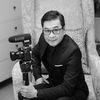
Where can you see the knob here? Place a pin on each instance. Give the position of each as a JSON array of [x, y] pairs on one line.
[[14, 7], [15, 27]]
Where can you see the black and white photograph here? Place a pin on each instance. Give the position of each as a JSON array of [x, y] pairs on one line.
[[49, 49]]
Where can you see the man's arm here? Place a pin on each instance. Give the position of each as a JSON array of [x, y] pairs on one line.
[[36, 62]]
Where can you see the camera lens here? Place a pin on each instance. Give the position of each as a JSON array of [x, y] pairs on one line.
[[13, 56], [16, 55]]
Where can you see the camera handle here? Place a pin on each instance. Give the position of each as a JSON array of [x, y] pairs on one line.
[[26, 82], [26, 78], [25, 68]]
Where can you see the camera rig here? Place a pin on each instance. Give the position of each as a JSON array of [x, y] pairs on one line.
[[24, 55], [24, 52]]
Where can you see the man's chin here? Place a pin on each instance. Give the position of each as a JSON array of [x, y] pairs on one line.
[[53, 44]]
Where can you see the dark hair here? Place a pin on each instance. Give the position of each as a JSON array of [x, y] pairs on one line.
[[51, 15]]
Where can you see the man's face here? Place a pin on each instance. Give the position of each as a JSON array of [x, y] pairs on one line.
[[53, 32]]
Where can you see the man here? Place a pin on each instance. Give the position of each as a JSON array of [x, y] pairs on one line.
[[62, 58]]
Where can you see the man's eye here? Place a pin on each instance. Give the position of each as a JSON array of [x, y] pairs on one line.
[[47, 31], [56, 30]]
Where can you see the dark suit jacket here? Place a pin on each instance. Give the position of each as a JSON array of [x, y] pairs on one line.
[[65, 72]]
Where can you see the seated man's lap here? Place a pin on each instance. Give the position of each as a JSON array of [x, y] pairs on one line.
[[79, 95], [42, 86]]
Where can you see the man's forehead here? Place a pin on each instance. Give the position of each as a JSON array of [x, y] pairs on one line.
[[52, 23]]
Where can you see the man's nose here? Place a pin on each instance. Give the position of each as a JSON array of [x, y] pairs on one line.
[[51, 34]]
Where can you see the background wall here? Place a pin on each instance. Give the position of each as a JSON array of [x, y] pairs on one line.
[[10, 24]]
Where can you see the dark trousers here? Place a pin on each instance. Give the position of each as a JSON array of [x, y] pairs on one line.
[[79, 95]]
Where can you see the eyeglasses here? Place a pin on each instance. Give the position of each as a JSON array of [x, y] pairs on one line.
[[54, 31]]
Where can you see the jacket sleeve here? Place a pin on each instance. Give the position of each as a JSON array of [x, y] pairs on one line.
[[71, 77], [36, 62]]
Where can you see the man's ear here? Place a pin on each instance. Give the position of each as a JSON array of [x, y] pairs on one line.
[[64, 29]]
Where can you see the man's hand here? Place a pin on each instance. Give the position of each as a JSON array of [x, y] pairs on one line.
[[41, 80], [28, 91]]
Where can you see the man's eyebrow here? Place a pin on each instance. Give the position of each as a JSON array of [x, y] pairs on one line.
[[56, 26], [52, 27]]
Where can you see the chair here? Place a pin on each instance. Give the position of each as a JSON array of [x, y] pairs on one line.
[[80, 27]]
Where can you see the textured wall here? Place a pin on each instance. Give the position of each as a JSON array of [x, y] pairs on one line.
[[28, 15], [70, 9], [28, 12]]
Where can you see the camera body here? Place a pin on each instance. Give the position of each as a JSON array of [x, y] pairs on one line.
[[24, 53], [21, 54]]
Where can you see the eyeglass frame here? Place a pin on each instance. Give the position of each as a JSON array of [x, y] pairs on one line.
[[55, 33]]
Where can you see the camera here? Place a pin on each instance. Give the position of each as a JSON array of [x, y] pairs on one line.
[[22, 53]]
